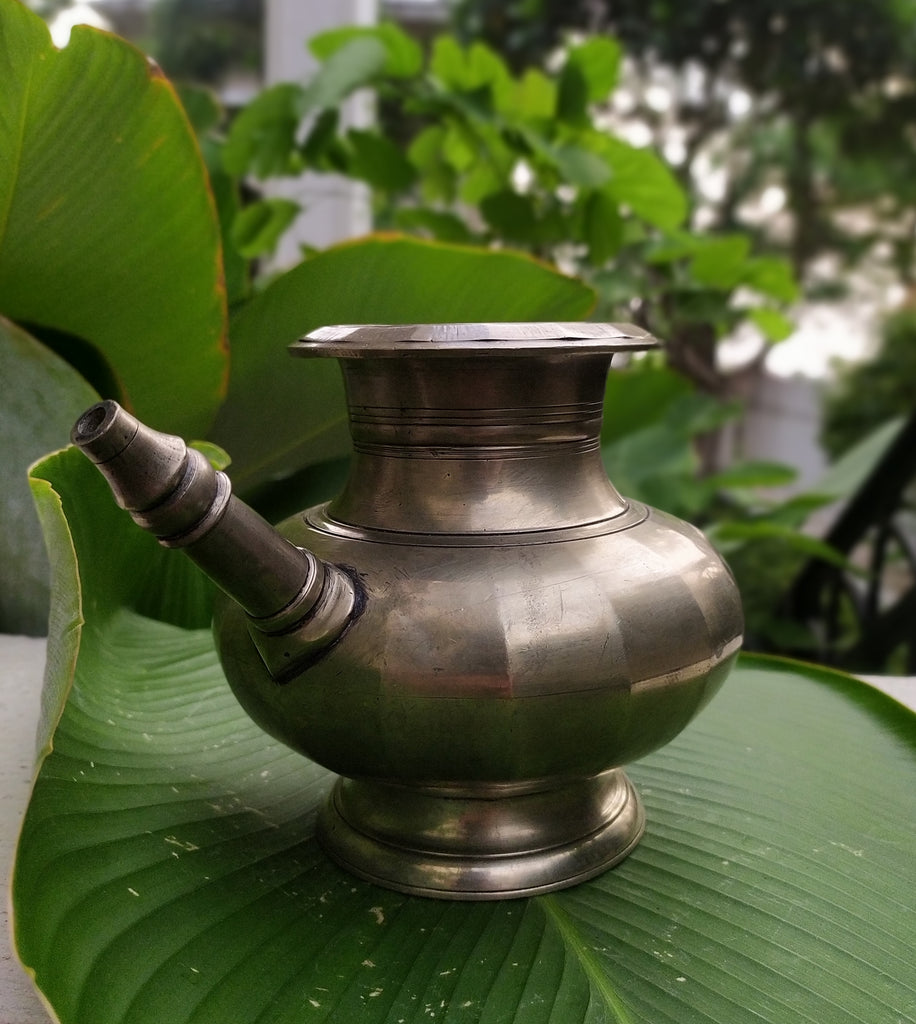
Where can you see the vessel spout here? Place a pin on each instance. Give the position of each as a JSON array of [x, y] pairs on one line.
[[297, 604]]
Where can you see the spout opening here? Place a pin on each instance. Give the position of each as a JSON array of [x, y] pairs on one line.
[[93, 420], [104, 431]]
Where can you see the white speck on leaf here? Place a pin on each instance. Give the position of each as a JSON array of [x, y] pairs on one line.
[[848, 849], [379, 914], [133, 892], [184, 844]]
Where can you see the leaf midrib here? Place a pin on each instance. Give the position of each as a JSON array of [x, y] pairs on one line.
[[575, 943]]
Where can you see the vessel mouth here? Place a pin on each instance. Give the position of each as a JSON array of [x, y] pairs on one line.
[[496, 337]]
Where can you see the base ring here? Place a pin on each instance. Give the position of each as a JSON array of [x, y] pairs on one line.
[[458, 847]]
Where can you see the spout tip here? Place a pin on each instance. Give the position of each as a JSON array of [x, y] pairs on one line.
[[104, 431], [141, 465]]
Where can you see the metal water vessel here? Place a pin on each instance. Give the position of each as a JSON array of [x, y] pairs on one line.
[[479, 631]]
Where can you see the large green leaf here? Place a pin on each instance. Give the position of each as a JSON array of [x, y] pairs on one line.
[[167, 871], [40, 397], [280, 416], [107, 228]]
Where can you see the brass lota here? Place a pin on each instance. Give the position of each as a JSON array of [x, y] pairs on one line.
[[479, 631]]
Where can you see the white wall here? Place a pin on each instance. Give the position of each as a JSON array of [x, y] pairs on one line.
[[782, 423]]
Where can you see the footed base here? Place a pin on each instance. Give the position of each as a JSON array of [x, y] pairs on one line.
[[499, 844]]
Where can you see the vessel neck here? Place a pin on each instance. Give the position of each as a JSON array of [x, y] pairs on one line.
[[476, 444]]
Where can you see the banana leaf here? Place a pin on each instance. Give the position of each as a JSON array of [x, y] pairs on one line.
[[167, 867]]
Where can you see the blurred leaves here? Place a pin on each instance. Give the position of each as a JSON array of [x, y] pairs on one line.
[[468, 149], [258, 227]]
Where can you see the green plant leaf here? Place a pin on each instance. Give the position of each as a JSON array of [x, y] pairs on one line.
[[775, 326], [598, 61], [533, 97], [167, 868], [657, 465], [108, 231], [511, 215], [572, 95], [756, 530], [719, 262], [581, 166], [657, 462], [481, 181], [643, 182], [404, 58], [603, 227], [279, 417], [257, 227], [852, 469], [638, 396], [358, 62], [440, 224], [470, 70], [460, 148], [427, 153], [201, 105], [771, 276], [321, 137], [379, 162], [754, 474], [40, 399], [225, 190], [262, 138]]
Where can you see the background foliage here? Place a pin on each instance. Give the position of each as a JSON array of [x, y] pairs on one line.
[[468, 150], [520, 147], [828, 90]]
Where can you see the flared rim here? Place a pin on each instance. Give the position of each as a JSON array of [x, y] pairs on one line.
[[497, 337]]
